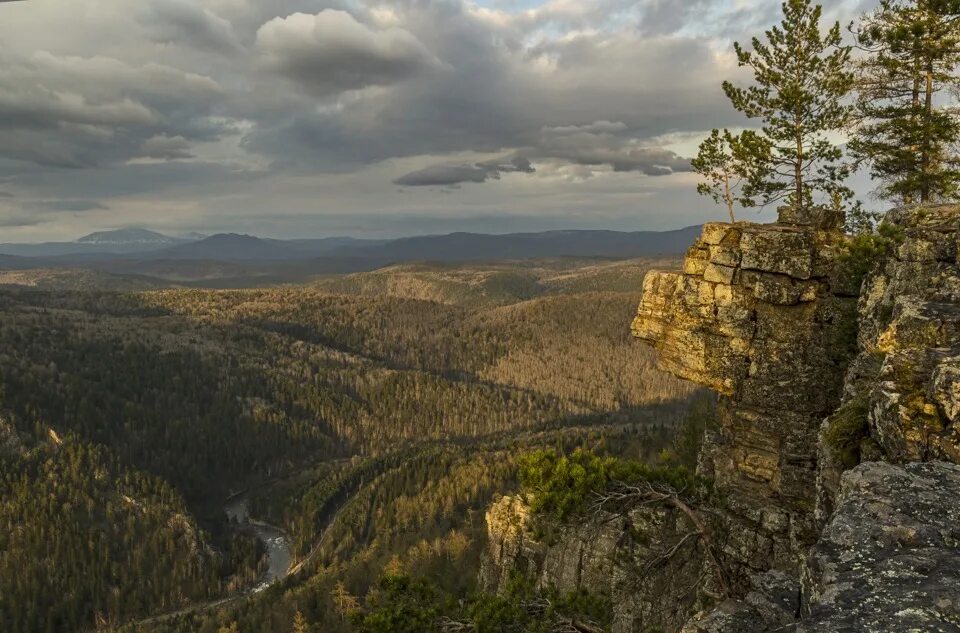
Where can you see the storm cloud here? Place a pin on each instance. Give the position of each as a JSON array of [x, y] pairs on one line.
[[453, 175], [182, 22]]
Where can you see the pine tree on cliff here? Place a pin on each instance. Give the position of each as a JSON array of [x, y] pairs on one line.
[[726, 161], [903, 129], [801, 77]]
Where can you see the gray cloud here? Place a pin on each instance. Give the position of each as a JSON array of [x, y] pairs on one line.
[[18, 219], [66, 111], [443, 176], [69, 205], [595, 145], [332, 52], [605, 143], [345, 98], [178, 21], [167, 147], [453, 175]]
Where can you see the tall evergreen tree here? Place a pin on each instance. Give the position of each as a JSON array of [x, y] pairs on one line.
[[801, 77], [904, 130]]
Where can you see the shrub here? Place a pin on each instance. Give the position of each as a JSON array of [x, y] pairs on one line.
[[846, 430], [561, 485], [862, 251]]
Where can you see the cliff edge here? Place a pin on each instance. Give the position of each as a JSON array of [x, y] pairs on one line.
[[838, 427], [836, 449]]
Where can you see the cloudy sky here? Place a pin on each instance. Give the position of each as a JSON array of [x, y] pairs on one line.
[[362, 117]]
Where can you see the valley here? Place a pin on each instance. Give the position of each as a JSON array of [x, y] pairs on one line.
[[371, 417]]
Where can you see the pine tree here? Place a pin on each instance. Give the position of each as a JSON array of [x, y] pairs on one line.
[[902, 128], [726, 162], [801, 77], [345, 603], [300, 623]]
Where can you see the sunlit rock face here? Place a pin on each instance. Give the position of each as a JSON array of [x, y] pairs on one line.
[[838, 425], [837, 451], [911, 315], [762, 315]]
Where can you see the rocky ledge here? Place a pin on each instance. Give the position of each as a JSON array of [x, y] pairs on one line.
[[603, 554], [889, 558]]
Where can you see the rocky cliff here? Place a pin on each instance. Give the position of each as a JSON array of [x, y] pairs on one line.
[[764, 315], [606, 555], [836, 442]]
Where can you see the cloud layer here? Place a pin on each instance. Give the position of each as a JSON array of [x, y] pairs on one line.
[[292, 115]]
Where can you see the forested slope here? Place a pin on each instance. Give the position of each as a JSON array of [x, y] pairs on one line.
[[373, 426]]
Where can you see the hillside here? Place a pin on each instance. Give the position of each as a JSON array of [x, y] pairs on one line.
[[472, 246], [364, 424]]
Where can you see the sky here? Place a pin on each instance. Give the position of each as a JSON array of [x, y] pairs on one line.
[[310, 118]]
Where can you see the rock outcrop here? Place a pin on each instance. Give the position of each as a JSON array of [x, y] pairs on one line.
[[902, 394], [837, 449], [763, 315], [889, 558], [604, 554]]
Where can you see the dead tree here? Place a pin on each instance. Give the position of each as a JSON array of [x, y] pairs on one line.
[[621, 497]]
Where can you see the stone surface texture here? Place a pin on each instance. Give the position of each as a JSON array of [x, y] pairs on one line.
[[889, 558], [603, 555], [772, 332]]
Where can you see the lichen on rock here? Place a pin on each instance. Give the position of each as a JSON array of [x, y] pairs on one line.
[[889, 558]]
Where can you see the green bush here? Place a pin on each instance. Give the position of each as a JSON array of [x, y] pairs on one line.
[[401, 605], [846, 430], [862, 251], [562, 485]]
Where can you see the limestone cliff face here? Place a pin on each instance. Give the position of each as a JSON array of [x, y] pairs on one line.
[[838, 443], [761, 314]]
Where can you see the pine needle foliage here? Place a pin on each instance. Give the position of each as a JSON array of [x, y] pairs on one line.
[[801, 78], [905, 128]]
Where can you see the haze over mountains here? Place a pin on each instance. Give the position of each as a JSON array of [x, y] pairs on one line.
[[145, 257], [150, 245]]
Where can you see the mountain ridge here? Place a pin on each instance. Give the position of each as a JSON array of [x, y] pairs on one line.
[[453, 247], [132, 235]]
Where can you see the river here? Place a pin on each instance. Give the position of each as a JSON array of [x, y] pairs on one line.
[[273, 538]]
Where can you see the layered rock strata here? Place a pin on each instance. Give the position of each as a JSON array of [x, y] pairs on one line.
[[762, 315]]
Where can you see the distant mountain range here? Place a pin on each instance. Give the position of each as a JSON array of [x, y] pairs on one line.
[[460, 247], [230, 256], [234, 247], [132, 237]]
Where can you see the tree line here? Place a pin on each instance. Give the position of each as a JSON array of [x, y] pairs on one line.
[[885, 87]]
